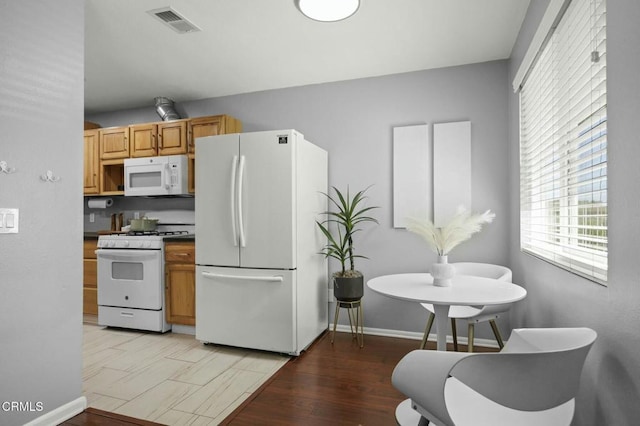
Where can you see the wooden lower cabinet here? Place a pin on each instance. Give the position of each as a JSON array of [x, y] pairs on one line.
[[90, 278], [180, 282]]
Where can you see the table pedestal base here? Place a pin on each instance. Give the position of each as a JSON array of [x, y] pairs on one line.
[[442, 322], [407, 416]]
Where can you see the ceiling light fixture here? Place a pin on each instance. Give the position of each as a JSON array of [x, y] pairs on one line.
[[327, 10]]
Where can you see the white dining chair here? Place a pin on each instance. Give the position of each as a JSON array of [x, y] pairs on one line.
[[473, 314], [532, 381]]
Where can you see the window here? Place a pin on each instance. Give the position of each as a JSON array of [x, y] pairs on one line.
[[563, 142]]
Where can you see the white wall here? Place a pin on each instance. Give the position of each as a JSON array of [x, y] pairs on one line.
[[610, 388], [354, 120], [41, 116]]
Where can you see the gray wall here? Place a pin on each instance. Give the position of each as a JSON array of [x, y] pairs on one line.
[[353, 121], [41, 114], [611, 379]]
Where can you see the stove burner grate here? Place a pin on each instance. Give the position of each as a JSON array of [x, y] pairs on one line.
[[145, 233]]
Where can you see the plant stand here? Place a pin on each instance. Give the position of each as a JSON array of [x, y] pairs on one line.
[[356, 319]]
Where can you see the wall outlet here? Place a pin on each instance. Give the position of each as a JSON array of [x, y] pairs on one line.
[[330, 295], [92, 217], [136, 215]]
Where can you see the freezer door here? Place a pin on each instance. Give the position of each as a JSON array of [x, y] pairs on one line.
[[215, 174], [246, 308], [266, 173]]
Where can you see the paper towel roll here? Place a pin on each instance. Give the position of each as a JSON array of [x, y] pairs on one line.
[[100, 203]]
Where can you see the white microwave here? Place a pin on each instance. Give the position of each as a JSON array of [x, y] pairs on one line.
[[165, 175]]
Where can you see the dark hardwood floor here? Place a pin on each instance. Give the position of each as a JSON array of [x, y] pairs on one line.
[[95, 417], [337, 383], [332, 384]]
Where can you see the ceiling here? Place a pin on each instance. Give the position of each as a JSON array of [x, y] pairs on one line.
[[253, 45]]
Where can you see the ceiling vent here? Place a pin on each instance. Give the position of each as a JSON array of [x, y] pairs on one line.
[[173, 19]]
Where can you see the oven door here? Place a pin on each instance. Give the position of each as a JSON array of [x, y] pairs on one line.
[[130, 278]]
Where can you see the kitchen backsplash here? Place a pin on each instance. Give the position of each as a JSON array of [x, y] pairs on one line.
[[129, 206]]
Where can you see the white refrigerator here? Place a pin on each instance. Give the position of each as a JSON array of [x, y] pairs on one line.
[[260, 280]]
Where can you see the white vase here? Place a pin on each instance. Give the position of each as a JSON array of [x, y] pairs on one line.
[[442, 272]]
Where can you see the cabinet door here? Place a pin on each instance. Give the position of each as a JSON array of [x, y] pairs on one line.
[[114, 143], [179, 252], [90, 278], [204, 126], [91, 162], [144, 140], [180, 293], [172, 137], [211, 126]]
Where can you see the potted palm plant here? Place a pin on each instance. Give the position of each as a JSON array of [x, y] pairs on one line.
[[346, 221]]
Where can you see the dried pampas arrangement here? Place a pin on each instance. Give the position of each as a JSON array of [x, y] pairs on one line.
[[459, 229]]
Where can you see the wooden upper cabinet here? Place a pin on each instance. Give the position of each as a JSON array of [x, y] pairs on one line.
[[172, 137], [211, 126], [144, 140], [114, 143], [91, 162]]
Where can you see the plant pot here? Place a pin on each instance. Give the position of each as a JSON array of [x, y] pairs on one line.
[[348, 289]]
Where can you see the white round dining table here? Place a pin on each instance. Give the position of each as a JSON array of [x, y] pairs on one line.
[[465, 290]]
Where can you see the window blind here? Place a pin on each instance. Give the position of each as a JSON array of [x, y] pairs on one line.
[[563, 145]]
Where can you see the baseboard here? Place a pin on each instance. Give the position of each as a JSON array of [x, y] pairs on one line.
[[183, 329], [412, 335], [60, 414]]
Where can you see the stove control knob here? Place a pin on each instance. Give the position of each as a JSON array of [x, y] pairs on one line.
[[111, 243], [147, 244], [125, 243]]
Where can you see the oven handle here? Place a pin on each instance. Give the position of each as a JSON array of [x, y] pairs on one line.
[[272, 279], [127, 255]]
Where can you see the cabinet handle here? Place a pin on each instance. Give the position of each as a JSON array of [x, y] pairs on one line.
[[160, 141], [153, 141], [94, 179], [126, 143]]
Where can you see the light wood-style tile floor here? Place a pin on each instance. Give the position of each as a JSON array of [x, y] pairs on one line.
[[169, 378]]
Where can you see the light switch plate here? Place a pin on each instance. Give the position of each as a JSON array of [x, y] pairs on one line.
[[9, 220]]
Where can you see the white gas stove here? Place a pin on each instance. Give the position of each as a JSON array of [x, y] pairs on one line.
[[131, 273]]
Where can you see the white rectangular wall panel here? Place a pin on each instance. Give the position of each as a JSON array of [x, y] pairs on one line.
[[451, 169], [412, 173]]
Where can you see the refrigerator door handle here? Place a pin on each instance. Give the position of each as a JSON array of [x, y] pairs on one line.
[[243, 241], [234, 167], [272, 279]]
